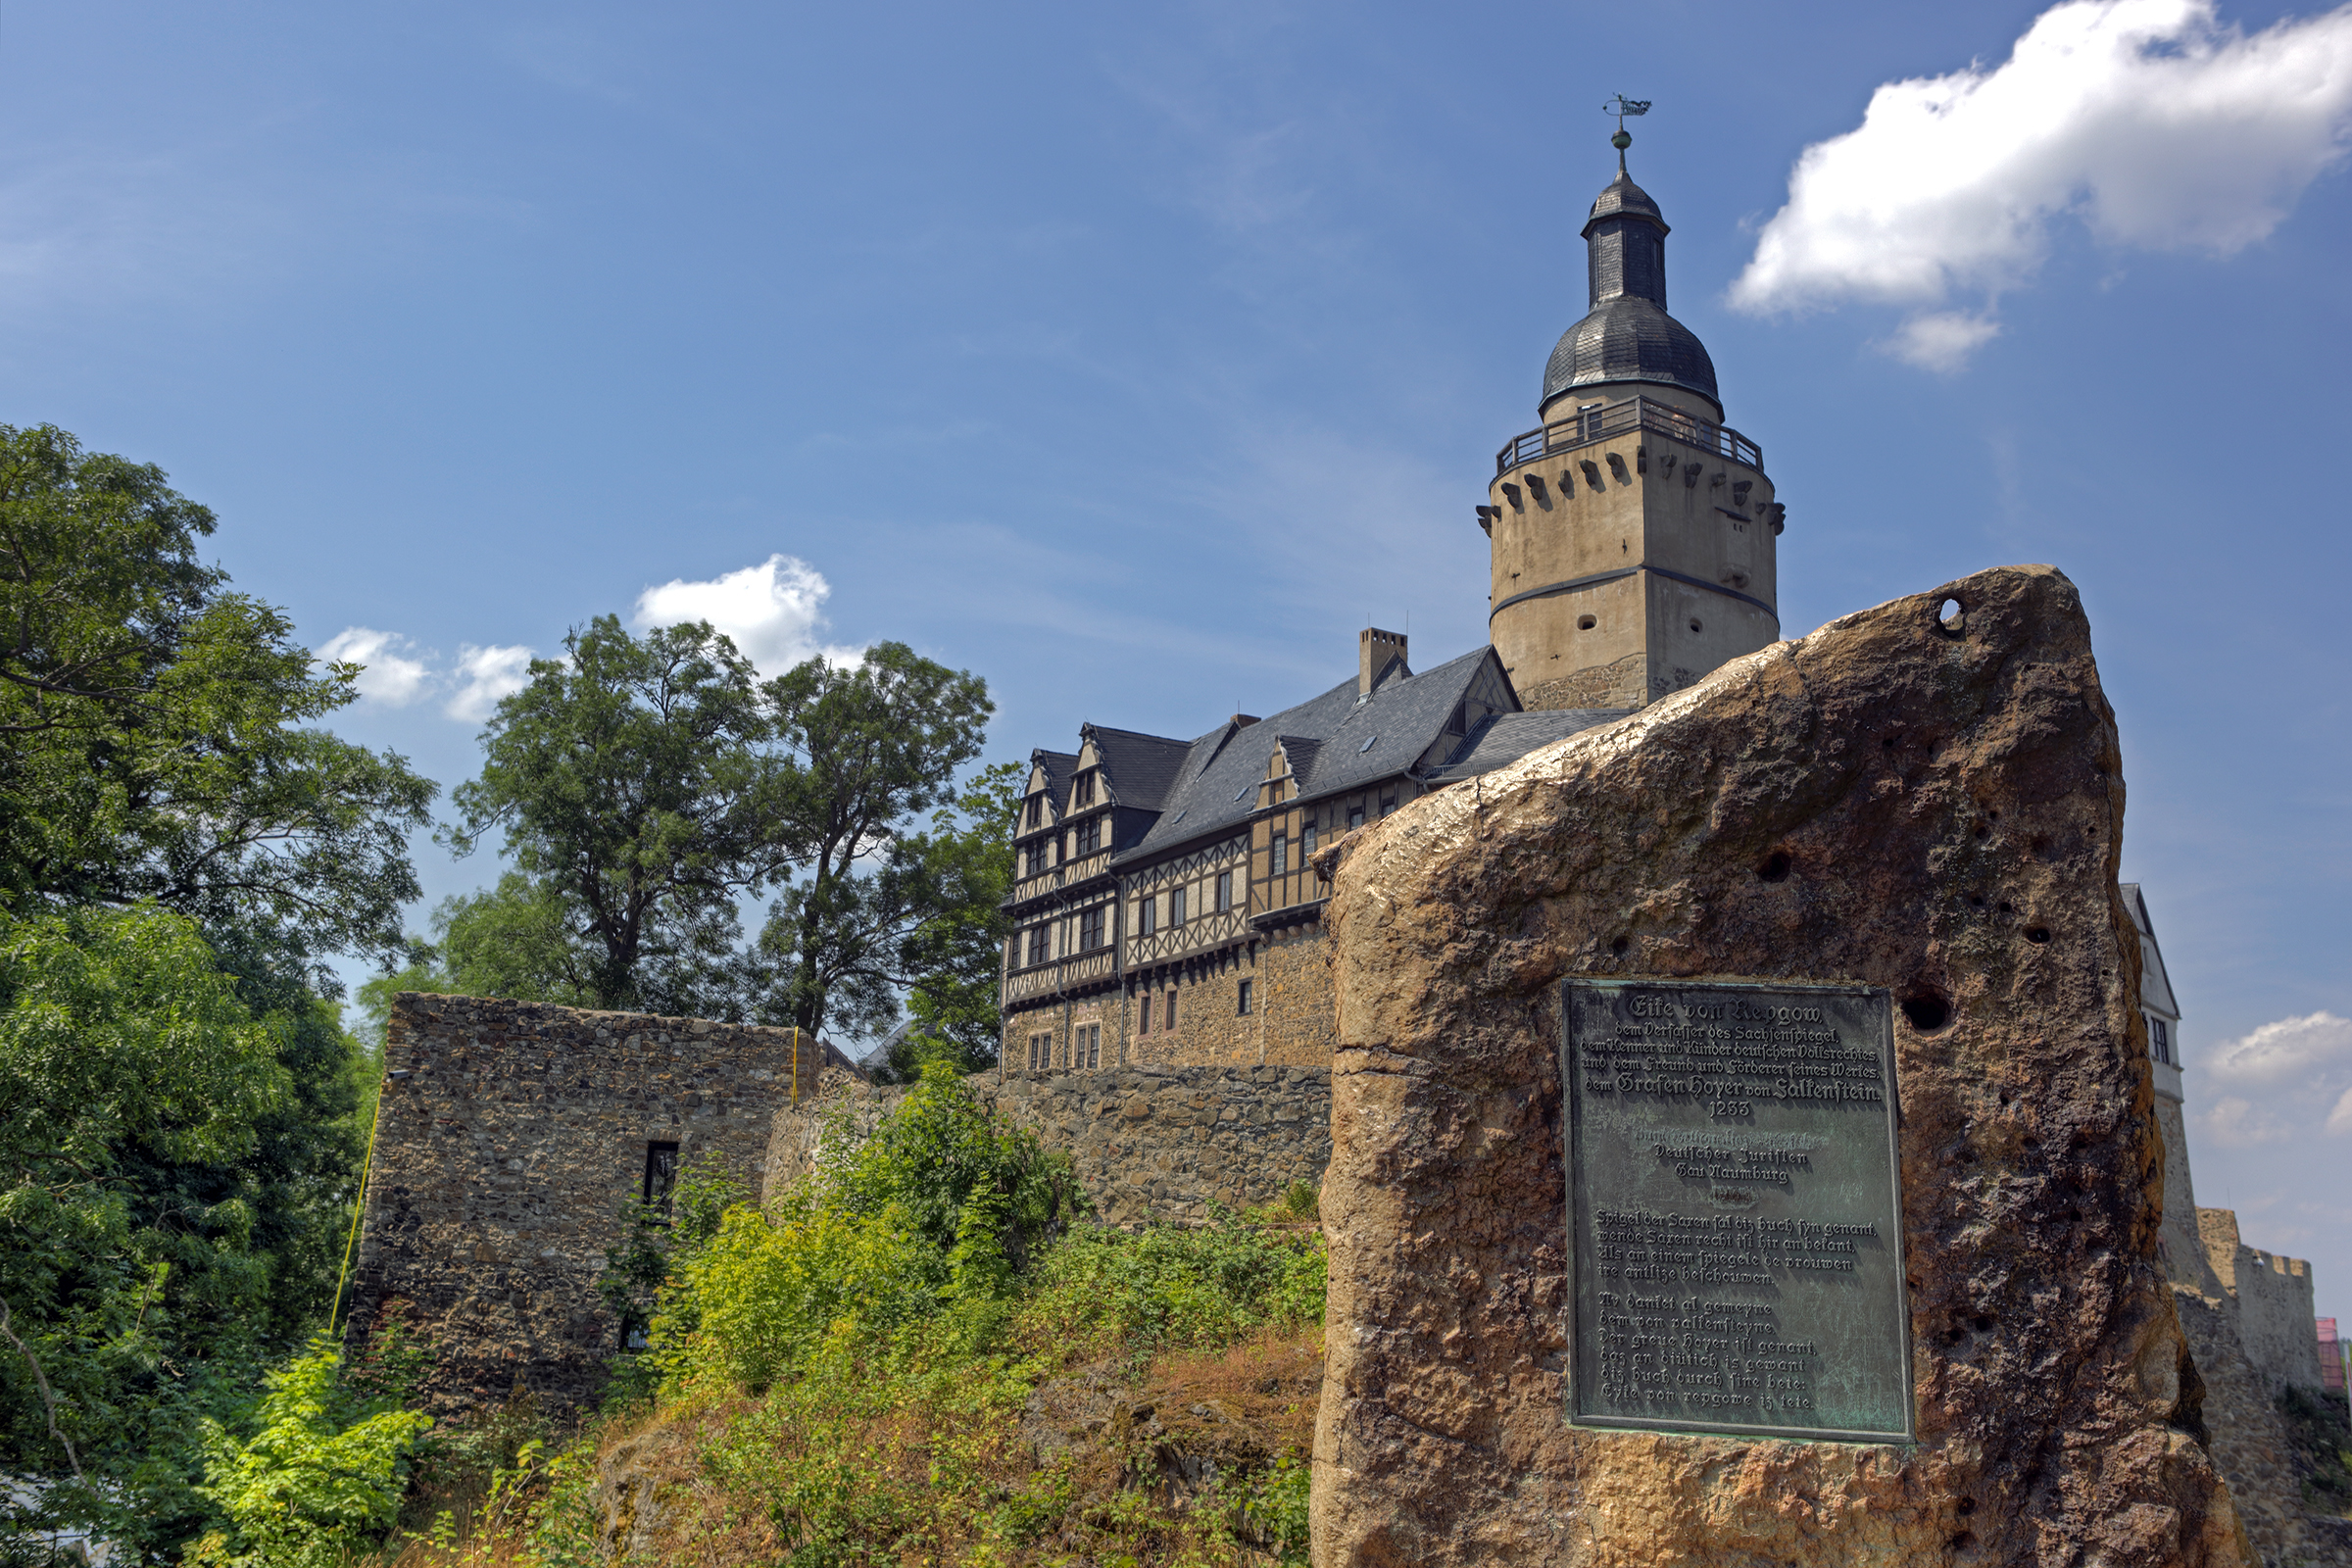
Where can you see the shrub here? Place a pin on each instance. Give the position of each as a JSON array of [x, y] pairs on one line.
[[319, 1479]]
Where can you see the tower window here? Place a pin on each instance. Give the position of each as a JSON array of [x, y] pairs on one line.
[[1142, 1014], [1224, 891], [1170, 1016], [1279, 855], [1243, 999], [2159, 1043], [661, 1175], [1586, 624]]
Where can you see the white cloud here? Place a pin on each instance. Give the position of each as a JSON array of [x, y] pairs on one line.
[[390, 677], [2292, 1047], [2151, 119], [2234, 1122], [774, 612], [486, 674], [1941, 340]]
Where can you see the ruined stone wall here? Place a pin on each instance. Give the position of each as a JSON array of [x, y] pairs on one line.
[[507, 1139], [1623, 683], [1149, 1142], [1302, 1025], [1925, 797], [2273, 1300]]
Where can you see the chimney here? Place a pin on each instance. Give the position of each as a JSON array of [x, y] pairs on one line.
[[1374, 652]]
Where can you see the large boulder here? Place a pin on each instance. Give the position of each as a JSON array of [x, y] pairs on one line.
[[1930, 804]]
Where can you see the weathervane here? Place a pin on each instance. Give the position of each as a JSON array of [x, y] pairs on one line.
[[1622, 106]]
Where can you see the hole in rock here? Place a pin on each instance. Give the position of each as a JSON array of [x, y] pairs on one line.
[[1963, 1540], [1586, 624], [1982, 830], [1619, 946], [2038, 935], [1968, 1505], [1775, 867], [1927, 1011], [1695, 624], [1982, 1323], [1952, 616]]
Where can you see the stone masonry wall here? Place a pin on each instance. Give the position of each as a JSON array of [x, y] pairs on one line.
[[1622, 684], [1149, 1142], [509, 1136], [2274, 1301]]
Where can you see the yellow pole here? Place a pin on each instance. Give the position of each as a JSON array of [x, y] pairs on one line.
[[358, 1206]]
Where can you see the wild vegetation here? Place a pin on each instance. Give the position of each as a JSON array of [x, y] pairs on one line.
[[184, 1115], [924, 1353]]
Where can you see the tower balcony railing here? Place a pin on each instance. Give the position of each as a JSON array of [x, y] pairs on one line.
[[1589, 425]]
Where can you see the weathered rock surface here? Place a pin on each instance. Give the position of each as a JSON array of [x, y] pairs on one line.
[[1888, 802]]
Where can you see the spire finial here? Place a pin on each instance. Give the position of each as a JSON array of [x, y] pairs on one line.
[[1622, 106]]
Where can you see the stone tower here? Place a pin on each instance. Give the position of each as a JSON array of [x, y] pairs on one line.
[[1632, 533]]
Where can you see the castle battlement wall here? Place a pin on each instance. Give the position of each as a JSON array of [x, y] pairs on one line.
[[511, 1136], [1150, 1143]]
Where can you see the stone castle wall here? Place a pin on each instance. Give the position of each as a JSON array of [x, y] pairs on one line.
[[2273, 1300], [509, 1138], [1624, 683], [1289, 1021], [1150, 1143]]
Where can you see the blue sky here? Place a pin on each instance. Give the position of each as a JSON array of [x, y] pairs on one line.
[[1134, 357]]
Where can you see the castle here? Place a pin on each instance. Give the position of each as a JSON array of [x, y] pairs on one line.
[[1168, 1013], [1166, 907]]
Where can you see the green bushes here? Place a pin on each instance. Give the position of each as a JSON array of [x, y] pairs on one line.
[[1176, 1289], [321, 1477]]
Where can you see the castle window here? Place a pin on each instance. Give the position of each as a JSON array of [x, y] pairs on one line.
[[1355, 816], [1090, 835], [1175, 907], [1170, 1016], [2160, 1044], [1279, 855], [1142, 1014], [1388, 801], [1090, 928], [1147, 915], [1037, 810], [1224, 891], [661, 1175], [1306, 840], [1090, 1047], [1041, 858], [1243, 999], [1083, 794], [1041, 943]]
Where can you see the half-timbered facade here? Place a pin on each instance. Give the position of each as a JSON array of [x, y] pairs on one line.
[[1166, 907]]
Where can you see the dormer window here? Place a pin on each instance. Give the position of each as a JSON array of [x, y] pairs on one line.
[[1037, 810], [1083, 792]]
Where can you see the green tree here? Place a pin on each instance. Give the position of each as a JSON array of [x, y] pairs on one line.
[[954, 956], [150, 739], [873, 747], [639, 792], [130, 1077]]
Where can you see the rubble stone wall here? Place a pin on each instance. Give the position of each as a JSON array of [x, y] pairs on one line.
[[509, 1138], [1149, 1142]]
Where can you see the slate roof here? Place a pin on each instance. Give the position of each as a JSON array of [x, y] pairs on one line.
[[1140, 768], [1504, 738], [1059, 766], [2155, 985], [1349, 744]]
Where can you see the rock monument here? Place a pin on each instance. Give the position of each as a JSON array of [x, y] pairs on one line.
[[1921, 803]]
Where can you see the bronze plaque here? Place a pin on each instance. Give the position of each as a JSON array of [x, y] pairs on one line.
[[1734, 1209]]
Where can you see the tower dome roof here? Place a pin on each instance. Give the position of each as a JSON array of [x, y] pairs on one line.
[[1628, 337], [1622, 195]]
